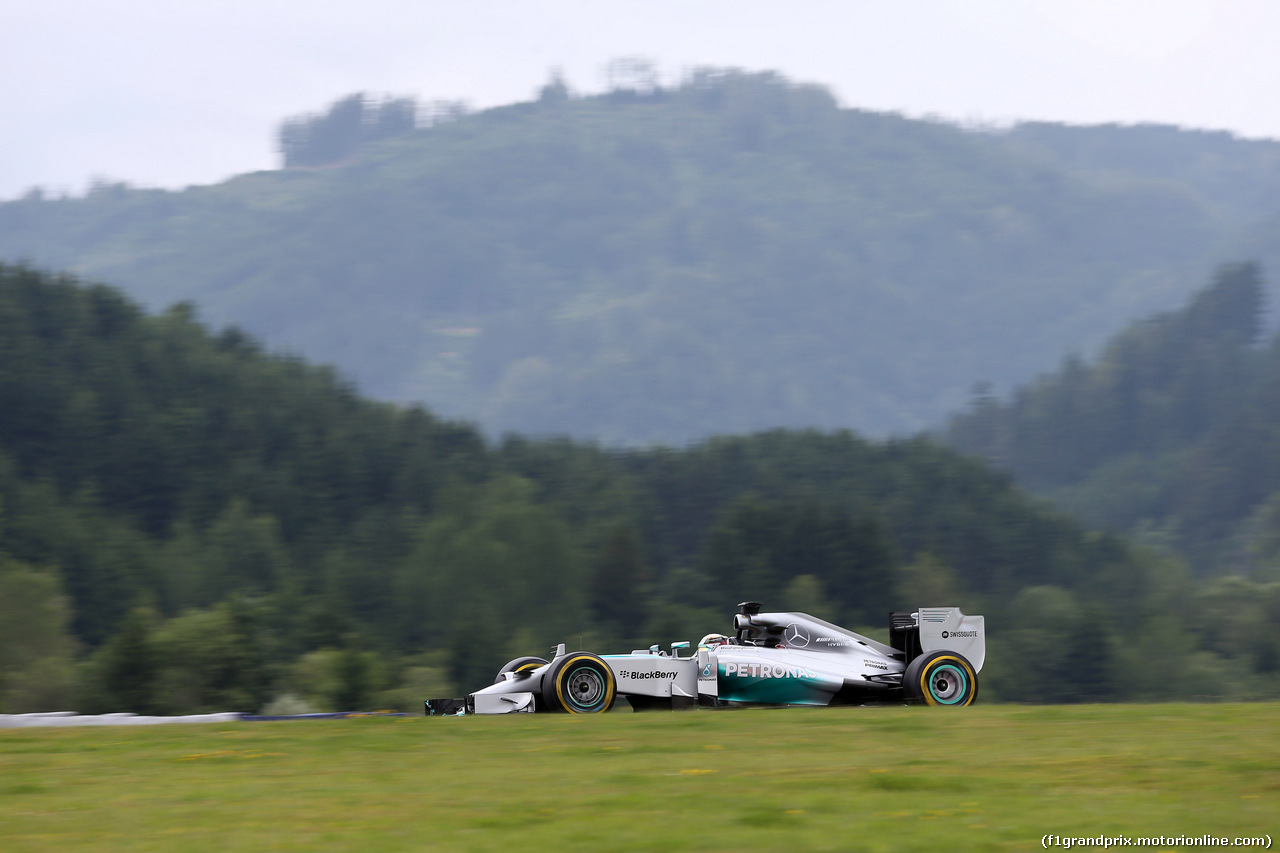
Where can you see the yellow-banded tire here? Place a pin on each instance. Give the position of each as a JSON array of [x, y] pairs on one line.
[[580, 683], [941, 678], [525, 664]]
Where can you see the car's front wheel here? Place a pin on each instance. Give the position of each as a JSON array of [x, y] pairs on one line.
[[525, 664], [941, 678], [580, 683]]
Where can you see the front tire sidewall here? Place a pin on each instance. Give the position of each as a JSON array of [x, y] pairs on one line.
[[580, 683], [941, 678]]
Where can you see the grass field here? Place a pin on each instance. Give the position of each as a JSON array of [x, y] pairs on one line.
[[892, 779]]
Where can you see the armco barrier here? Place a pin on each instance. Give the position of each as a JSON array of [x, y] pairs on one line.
[[71, 718]]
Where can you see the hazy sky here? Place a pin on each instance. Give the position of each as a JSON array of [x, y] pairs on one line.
[[165, 93]]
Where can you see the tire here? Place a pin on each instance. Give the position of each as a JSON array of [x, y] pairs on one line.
[[524, 664], [941, 678], [580, 683]]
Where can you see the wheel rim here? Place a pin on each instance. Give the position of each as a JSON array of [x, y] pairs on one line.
[[585, 687], [948, 684]]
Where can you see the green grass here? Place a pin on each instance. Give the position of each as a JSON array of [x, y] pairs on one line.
[[892, 779]]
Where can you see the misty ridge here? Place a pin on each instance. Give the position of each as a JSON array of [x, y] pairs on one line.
[[660, 264]]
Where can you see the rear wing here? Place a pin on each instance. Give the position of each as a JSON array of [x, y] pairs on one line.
[[932, 629]]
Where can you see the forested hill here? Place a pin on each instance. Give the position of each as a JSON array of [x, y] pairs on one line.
[[189, 523], [651, 264], [1172, 432]]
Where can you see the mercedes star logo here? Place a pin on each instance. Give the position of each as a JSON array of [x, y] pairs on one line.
[[796, 636]]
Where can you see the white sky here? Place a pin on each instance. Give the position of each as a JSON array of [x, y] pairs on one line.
[[177, 92]]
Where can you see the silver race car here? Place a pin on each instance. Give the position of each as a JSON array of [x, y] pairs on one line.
[[934, 657]]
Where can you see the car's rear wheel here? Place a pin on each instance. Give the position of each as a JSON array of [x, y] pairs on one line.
[[525, 664], [580, 683], [941, 678]]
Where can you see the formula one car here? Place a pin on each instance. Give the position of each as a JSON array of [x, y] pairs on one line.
[[934, 657]]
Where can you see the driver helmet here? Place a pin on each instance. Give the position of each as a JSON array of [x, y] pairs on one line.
[[712, 640]]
